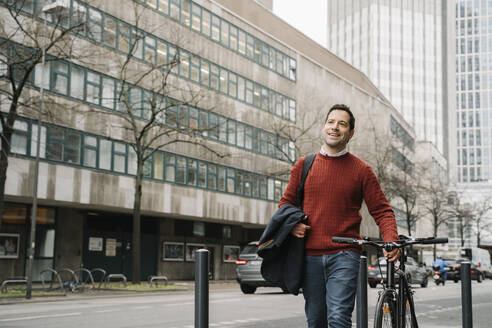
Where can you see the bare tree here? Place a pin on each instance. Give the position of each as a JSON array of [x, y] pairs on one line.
[[23, 43], [153, 111], [463, 212], [481, 210], [435, 202]]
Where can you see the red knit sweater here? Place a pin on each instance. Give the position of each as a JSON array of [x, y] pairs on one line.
[[333, 194]]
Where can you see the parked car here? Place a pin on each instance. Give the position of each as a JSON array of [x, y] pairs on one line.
[[248, 270], [417, 274], [454, 272]]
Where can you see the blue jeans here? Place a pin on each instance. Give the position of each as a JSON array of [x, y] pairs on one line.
[[329, 289]]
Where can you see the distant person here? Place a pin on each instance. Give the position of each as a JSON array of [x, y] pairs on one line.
[[440, 264]]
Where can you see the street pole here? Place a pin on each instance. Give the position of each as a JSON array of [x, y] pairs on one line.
[[34, 211]]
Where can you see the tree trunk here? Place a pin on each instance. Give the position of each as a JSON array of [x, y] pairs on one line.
[[136, 224], [4, 163]]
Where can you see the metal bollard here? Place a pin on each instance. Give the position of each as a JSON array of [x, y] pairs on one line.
[[466, 296], [362, 294], [201, 288]]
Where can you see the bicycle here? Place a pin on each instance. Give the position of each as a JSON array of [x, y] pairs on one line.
[[395, 307]]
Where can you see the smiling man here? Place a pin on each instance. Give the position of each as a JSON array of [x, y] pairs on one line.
[[335, 187]]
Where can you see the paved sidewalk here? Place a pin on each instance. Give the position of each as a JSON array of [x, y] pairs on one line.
[[91, 293]]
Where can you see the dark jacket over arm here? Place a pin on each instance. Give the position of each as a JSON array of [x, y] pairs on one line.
[[282, 253]]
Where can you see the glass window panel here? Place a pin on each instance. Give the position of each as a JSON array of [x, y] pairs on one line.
[[181, 169], [231, 132], [105, 154], [202, 175], [206, 18], [223, 81], [162, 54], [239, 182], [90, 155], [109, 36], [170, 167], [150, 52], [185, 12], [123, 37], [242, 42], [212, 177], [163, 5], [34, 140], [108, 93], [159, 165], [60, 79], [72, 147], [93, 87], [174, 10], [221, 178], [215, 28], [55, 143], [94, 25], [119, 157], [132, 161], [196, 17], [230, 180], [19, 138], [77, 82]]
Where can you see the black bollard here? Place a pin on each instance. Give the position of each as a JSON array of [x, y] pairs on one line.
[[466, 296], [201, 288], [362, 294]]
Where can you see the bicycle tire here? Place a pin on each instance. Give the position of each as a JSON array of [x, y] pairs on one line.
[[409, 315], [386, 311]]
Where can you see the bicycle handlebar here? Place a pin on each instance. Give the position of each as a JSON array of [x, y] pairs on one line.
[[390, 244]]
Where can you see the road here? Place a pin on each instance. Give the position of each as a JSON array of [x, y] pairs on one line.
[[267, 308]]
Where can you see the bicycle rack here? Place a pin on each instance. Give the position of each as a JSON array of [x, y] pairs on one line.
[[102, 271], [115, 276], [156, 279], [12, 280], [71, 284], [89, 277], [56, 275]]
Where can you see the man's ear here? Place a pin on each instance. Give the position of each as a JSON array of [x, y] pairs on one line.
[[351, 133]]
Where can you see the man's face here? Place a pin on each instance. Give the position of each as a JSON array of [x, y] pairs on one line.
[[336, 131]]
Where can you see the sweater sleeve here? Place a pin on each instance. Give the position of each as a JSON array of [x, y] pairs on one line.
[[290, 194], [378, 205]]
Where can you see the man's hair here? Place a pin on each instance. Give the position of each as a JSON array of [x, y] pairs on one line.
[[345, 108]]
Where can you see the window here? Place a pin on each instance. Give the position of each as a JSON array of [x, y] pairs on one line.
[[123, 37], [109, 36], [132, 161], [93, 88], [191, 172], [230, 181], [158, 165], [212, 177], [180, 170], [221, 179], [215, 28], [90, 151], [72, 147], [170, 168], [119, 157], [60, 77], [18, 143], [150, 49], [77, 82], [105, 154], [94, 25], [56, 138], [196, 17], [34, 141], [108, 96], [202, 175], [163, 5]]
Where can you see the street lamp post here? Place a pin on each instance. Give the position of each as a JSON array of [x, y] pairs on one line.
[[56, 7]]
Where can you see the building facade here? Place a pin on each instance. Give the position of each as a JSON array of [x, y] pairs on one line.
[[256, 76], [402, 47], [474, 103]]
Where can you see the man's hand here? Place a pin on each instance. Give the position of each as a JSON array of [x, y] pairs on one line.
[[393, 255], [300, 230]]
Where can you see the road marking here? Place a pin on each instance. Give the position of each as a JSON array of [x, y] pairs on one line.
[[43, 316], [105, 311]]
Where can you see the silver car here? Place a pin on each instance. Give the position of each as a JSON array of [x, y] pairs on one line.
[[248, 270]]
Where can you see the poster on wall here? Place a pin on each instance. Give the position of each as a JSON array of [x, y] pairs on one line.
[[110, 247], [191, 249], [173, 251], [95, 244], [230, 253], [9, 245]]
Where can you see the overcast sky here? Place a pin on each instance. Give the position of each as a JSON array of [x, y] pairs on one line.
[[308, 16]]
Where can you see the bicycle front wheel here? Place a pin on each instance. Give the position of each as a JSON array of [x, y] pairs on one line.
[[385, 316], [409, 315]]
